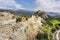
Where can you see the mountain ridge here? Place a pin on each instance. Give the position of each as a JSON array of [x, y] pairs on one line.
[[28, 12]]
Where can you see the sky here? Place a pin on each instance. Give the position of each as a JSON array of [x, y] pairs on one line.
[[33, 5]]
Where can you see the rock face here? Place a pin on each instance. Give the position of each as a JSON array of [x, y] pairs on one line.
[[25, 30]]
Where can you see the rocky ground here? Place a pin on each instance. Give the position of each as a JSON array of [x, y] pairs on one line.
[[25, 30]]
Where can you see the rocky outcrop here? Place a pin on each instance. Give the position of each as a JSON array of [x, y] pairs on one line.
[[33, 27], [25, 30]]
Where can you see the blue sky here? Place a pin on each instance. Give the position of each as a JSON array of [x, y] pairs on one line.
[[28, 4], [44, 5]]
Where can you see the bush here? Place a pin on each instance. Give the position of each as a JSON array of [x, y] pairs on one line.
[[42, 36], [18, 19], [53, 30]]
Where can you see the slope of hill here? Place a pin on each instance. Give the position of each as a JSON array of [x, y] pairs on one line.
[[45, 16], [50, 25], [39, 26]]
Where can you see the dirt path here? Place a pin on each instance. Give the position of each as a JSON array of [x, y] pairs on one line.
[[56, 35]]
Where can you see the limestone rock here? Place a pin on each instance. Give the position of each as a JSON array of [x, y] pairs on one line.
[[25, 30]]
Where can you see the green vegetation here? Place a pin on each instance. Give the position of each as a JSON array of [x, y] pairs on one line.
[[50, 26], [18, 19], [42, 36], [48, 30]]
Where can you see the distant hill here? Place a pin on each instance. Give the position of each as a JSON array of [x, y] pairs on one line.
[[53, 13], [47, 18], [26, 12], [56, 17], [42, 14]]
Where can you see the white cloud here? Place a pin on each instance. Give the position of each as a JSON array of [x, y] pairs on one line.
[[10, 4], [48, 5]]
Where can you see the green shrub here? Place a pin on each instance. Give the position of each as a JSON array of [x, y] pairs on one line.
[[18, 19], [42, 36], [53, 30]]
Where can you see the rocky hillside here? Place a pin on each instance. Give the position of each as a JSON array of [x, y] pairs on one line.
[[24, 30], [39, 26]]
